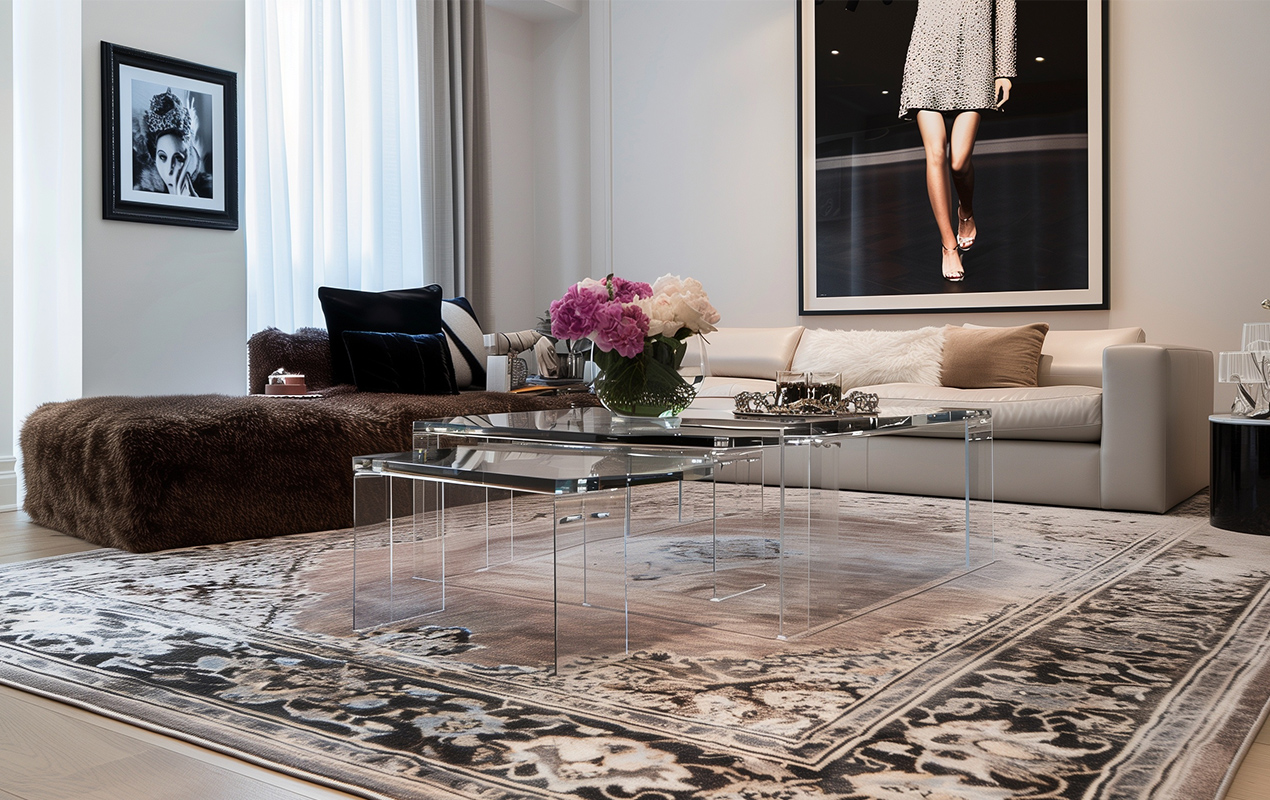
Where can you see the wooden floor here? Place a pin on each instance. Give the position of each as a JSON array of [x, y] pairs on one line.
[[52, 751]]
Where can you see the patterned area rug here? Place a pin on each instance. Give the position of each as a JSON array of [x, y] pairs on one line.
[[1101, 655]]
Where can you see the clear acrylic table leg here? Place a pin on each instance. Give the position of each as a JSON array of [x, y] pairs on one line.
[[398, 550]]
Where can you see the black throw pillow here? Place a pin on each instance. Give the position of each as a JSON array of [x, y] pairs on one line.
[[398, 311], [400, 362]]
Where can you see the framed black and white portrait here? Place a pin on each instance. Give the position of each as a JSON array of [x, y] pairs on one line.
[[952, 155], [169, 140]]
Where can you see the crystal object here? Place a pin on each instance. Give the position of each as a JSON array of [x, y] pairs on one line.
[[1249, 369]]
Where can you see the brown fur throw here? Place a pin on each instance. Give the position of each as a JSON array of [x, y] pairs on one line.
[[307, 351], [150, 473]]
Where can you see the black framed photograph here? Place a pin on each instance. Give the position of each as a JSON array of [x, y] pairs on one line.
[[952, 155], [169, 140]]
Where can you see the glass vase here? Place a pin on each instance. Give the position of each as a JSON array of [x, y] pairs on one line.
[[647, 385]]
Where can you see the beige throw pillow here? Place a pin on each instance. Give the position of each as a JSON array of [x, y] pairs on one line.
[[992, 358]]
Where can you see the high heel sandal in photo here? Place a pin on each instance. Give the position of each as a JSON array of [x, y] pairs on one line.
[[956, 277], [964, 242]]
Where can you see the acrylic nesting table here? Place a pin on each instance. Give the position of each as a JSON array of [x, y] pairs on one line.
[[599, 533]]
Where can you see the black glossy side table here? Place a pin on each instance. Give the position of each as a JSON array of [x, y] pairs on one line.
[[1239, 474]]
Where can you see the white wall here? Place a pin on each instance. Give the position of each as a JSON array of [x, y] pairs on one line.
[[1190, 166], [704, 150], [539, 107], [562, 205], [510, 40], [8, 476], [704, 165], [165, 308]]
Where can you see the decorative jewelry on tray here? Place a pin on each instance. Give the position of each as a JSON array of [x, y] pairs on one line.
[[766, 403]]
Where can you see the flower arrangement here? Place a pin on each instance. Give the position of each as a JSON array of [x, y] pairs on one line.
[[639, 332]]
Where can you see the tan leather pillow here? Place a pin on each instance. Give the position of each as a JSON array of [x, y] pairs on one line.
[[992, 358]]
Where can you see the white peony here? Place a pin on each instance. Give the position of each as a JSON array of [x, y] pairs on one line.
[[668, 284], [660, 311], [680, 303]]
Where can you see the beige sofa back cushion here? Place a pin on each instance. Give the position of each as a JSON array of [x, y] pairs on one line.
[[1074, 358], [743, 352]]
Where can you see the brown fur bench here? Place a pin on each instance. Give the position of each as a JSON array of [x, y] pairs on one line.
[[150, 473]]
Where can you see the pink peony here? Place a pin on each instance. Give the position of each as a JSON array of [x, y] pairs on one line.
[[575, 316], [621, 328], [625, 291]]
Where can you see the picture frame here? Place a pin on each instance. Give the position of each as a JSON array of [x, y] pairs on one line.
[[178, 163], [869, 239]]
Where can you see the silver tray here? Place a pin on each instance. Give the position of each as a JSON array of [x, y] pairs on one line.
[[794, 416]]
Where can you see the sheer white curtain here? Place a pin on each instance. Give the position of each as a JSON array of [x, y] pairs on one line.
[[333, 193]]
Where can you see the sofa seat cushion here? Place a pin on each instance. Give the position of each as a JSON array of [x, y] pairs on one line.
[[717, 393], [1039, 413]]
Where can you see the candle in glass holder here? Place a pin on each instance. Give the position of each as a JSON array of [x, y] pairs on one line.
[[790, 387], [825, 387]]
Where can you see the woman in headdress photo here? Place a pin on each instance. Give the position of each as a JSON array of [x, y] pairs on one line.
[[166, 152], [961, 57]]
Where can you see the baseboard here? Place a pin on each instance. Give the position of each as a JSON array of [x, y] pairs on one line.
[[8, 484]]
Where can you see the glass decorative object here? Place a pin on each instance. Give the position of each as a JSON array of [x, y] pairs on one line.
[[645, 385], [1249, 369]]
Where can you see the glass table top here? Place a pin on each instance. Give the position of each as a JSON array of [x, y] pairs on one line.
[[705, 428], [547, 470]]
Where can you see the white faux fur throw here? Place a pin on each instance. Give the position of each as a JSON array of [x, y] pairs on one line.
[[866, 358]]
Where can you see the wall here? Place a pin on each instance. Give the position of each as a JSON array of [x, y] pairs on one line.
[[538, 74], [704, 170], [8, 476], [1189, 170], [562, 213], [511, 60], [165, 307]]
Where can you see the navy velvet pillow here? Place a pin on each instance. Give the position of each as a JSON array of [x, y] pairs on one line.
[[400, 362], [398, 311]]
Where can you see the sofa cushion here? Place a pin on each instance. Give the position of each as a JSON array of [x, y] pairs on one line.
[[869, 357], [717, 393], [1044, 413], [1075, 357], [466, 340], [401, 363], [748, 352], [398, 311], [992, 358]]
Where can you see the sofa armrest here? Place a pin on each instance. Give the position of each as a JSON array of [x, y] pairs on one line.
[[1155, 405]]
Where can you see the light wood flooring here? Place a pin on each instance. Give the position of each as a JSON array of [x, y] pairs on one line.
[[51, 751]]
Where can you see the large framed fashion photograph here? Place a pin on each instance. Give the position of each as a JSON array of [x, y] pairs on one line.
[[952, 155], [169, 140]]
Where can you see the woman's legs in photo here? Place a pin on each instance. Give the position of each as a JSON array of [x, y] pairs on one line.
[[962, 144], [935, 140]]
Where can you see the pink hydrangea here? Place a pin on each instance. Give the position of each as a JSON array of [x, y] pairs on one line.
[[575, 315], [621, 328], [625, 291]]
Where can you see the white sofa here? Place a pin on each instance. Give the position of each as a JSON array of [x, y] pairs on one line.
[[1114, 423]]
